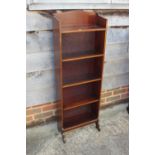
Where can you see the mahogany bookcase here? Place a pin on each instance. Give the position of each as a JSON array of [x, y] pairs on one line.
[[79, 49]]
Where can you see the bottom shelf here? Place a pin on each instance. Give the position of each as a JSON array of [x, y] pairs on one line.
[[80, 116]]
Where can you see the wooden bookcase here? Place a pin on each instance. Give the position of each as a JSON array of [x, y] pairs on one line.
[[79, 47]]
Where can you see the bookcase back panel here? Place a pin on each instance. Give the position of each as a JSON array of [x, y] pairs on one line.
[[77, 71], [81, 93], [80, 115], [75, 18], [78, 43]]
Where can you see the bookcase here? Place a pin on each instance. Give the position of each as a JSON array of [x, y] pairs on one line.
[[79, 49]]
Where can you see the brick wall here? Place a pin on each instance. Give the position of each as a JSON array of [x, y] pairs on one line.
[[40, 113], [46, 112], [114, 95]]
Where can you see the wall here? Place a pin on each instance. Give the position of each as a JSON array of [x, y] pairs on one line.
[[40, 67], [77, 4]]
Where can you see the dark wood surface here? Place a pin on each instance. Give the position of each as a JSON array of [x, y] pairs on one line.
[[78, 29], [82, 70], [81, 56], [80, 116], [81, 95], [79, 39], [58, 72]]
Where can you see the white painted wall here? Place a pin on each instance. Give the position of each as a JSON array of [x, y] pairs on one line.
[[77, 4]]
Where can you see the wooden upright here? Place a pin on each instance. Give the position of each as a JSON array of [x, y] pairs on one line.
[[79, 47]]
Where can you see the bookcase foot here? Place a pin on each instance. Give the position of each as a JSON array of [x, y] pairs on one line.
[[98, 126], [63, 138]]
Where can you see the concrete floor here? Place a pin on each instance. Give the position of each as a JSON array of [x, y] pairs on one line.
[[111, 140]]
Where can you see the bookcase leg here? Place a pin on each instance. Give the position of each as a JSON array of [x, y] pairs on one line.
[[98, 126], [63, 138]]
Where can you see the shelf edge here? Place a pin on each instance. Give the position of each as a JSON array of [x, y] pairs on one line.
[[84, 103], [80, 125], [80, 83], [80, 30], [82, 57]]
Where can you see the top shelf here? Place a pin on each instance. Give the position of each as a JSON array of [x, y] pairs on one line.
[[78, 29]]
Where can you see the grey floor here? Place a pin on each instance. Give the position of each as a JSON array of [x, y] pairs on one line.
[[111, 140]]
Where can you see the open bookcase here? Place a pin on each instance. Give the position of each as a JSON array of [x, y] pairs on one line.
[[79, 47]]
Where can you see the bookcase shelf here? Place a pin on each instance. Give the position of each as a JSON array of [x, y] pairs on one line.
[[80, 95], [80, 103], [82, 28], [79, 121], [81, 83], [84, 70], [79, 49], [80, 116], [81, 57]]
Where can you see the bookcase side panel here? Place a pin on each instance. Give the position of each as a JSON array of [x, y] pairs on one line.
[[58, 71], [100, 45]]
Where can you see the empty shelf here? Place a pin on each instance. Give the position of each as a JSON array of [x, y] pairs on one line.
[[80, 83], [68, 106], [79, 120]]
